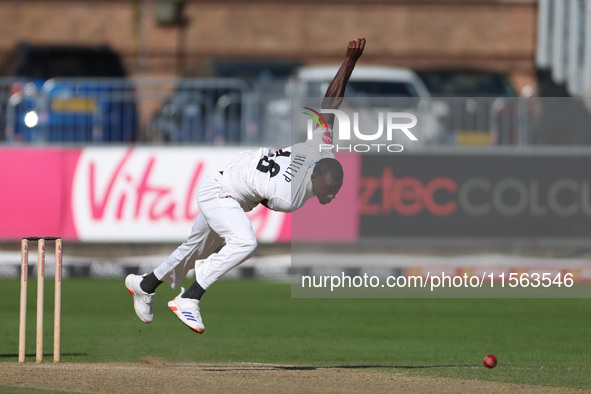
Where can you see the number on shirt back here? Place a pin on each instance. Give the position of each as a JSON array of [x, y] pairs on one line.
[[267, 164]]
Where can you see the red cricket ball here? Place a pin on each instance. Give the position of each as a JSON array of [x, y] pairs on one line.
[[489, 361]]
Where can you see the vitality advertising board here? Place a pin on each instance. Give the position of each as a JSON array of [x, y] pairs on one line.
[[113, 194]]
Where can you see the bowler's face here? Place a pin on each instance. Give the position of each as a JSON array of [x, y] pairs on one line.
[[325, 188]]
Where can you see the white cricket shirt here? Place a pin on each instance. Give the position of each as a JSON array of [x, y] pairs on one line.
[[280, 176]]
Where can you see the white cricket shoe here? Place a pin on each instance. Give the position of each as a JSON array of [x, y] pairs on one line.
[[187, 310], [142, 301]]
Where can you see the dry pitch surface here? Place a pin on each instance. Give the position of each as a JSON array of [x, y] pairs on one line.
[[155, 377]]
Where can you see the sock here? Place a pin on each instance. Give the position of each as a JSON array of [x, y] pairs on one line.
[[150, 283], [194, 291]]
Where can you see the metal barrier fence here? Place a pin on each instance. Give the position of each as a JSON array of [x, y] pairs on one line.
[[233, 112], [112, 111], [195, 111], [481, 121]]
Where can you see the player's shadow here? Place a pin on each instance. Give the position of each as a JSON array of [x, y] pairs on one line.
[[313, 368], [392, 366]]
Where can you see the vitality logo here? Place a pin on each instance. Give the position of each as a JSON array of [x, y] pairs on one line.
[[317, 117], [322, 124]]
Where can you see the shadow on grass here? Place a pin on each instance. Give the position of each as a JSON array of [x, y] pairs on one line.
[[313, 368]]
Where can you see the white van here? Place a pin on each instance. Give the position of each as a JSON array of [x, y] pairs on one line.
[[371, 89], [365, 81]]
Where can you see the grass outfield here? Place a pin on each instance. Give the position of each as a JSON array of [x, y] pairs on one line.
[[537, 341]]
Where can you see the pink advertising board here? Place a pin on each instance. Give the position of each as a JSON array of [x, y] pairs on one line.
[[143, 194], [109, 194], [337, 221], [34, 192]]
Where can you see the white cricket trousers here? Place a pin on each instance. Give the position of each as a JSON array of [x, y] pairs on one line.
[[221, 219]]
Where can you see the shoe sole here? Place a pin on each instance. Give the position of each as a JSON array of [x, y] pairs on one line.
[[174, 310]]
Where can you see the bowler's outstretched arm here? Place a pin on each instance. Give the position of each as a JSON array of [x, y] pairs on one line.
[[336, 90]]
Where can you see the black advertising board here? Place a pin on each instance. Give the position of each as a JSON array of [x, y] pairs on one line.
[[520, 194]]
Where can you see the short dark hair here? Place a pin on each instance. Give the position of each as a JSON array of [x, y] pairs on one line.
[[329, 166]]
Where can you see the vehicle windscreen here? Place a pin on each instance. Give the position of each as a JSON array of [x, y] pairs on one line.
[[454, 84], [50, 64], [367, 89]]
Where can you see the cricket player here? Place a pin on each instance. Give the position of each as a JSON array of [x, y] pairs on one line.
[[282, 180]]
